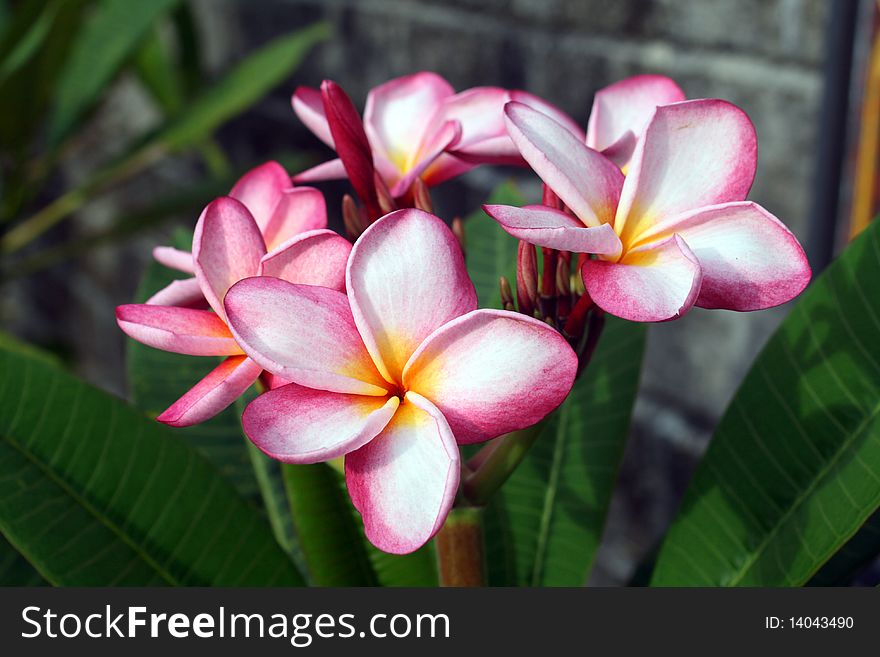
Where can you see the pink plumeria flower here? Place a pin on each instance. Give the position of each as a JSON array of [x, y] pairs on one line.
[[281, 212], [418, 127], [394, 373], [677, 230], [228, 246]]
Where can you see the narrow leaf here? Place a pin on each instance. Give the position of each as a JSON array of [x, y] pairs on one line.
[[107, 39]]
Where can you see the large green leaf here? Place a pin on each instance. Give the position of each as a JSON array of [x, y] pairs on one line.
[[793, 470], [854, 556], [544, 527], [93, 493], [157, 378], [108, 38], [489, 251], [15, 569]]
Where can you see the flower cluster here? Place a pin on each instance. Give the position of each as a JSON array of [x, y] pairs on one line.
[[375, 350]]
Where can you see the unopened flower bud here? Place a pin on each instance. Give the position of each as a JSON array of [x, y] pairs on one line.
[[506, 293], [550, 199], [527, 278], [458, 231], [352, 217], [421, 196], [383, 196]]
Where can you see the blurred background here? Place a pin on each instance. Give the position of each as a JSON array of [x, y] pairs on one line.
[[121, 120]]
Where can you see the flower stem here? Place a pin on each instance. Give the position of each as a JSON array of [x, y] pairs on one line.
[[461, 558], [499, 461]]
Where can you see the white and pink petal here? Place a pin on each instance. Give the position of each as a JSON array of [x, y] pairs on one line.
[[179, 330], [750, 260], [404, 481], [295, 424], [551, 228], [303, 333], [227, 247], [586, 181], [222, 386], [491, 372], [406, 277], [317, 257], [654, 283]]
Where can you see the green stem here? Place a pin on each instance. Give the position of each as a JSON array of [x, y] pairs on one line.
[[498, 464], [461, 556], [37, 224]]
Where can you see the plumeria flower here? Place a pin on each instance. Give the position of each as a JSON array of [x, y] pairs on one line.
[[418, 127], [281, 212], [394, 373], [228, 245], [677, 230]]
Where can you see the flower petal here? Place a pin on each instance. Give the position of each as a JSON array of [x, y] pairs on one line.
[[317, 257], [406, 277], [491, 372], [649, 284], [329, 170], [484, 131], [538, 103], [309, 107], [213, 393], [398, 113], [227, 247], [185, 292], [295, 424], [622, 110], [260, 190], [545, 226], [587, 182], [750, 260], [403, 482], [302, 333], [425, 156], [298, 210], [174, 259], [692, 154], [180, 330]]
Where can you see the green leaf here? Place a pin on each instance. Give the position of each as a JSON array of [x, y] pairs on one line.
[[489, 251], [15, 569], [246, 84], [108, 38], [157, 378], [855, 555], [271, 483], [329, 534], [94, 494], [793, 470], [242, 87], [158, 74], [29, 43], [544, 527]]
